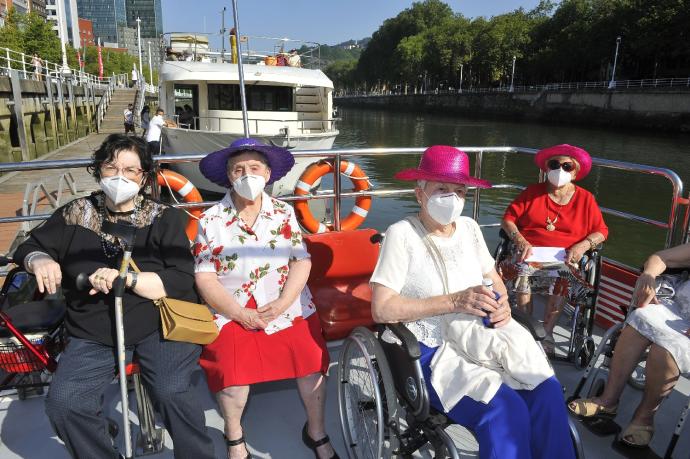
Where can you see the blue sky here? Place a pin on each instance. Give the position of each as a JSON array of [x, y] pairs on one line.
[[323, 21]]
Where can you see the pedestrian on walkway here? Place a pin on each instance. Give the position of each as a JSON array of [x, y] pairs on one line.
[[37, 64], [145, 119], [153, 133], [135, 76], [129, 119]]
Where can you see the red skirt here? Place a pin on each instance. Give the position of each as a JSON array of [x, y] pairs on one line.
[[240, 357]]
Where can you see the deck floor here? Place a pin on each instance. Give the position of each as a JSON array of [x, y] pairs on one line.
[[274, 417]]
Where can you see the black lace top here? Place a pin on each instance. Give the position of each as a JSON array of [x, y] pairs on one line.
[[72, 237]]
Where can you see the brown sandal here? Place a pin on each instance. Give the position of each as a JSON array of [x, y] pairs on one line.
[[587, 408], [637, 436]]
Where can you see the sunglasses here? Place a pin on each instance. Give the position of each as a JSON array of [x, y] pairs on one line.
[[555, 164]]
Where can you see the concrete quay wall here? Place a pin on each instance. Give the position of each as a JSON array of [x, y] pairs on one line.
[[52, 115], [660, 109]]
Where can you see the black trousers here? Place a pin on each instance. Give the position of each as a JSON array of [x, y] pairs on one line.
[[75, 398]]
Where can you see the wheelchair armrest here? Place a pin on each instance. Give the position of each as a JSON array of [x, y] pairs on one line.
[[409, 341], [535, 327]]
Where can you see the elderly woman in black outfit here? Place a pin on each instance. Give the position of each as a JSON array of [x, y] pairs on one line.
[[71, 242]]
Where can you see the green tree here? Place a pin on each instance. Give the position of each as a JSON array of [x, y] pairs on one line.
[[39, 38], [10, 34]]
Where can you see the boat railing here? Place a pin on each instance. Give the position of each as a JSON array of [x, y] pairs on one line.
[[199, 48], [675, 225], [258, 126]]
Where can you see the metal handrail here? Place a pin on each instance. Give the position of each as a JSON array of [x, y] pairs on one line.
[[327, 125], [338, 155], [646, 83]]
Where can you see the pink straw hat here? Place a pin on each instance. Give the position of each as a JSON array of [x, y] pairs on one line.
[[577, 153], [442, 163]]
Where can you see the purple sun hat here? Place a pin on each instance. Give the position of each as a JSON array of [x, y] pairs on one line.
[[442, 163], [214, 165]]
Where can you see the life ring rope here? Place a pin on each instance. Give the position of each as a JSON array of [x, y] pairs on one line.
[[184, 191], [315, 171]]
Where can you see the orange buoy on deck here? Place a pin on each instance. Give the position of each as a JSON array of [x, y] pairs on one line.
[[314, 172], [185, 188]]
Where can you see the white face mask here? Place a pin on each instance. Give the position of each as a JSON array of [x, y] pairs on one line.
[[445, 208], [559, 177], [249, 186], [119, 189]]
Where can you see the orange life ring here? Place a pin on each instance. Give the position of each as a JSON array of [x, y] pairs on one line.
[[182, 186], [314, 172]]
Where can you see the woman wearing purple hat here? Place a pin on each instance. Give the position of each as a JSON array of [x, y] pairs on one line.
[[484, 370], [252, 268], [555, 213]]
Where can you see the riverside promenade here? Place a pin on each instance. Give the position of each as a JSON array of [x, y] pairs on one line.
[[13, 187]]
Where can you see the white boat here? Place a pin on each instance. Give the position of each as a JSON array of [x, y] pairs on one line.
[[287, 106]]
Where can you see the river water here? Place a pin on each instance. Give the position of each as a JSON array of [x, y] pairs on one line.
[[648, 196]]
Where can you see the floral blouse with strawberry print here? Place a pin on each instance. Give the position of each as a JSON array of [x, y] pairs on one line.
[[253, 261]]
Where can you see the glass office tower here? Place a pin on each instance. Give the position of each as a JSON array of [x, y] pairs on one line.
[[151, 15], [106, 16]]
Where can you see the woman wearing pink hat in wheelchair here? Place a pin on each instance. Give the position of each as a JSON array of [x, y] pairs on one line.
[[555, 213], [482, 369]]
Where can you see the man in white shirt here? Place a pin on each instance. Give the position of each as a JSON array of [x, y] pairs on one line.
[[153, 134], [129, 119], [135, 76]]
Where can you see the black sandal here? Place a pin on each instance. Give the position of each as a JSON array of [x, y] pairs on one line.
[[239, 441], [313, 444]]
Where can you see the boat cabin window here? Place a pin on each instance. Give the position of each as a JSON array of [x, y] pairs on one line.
[[259, 98]]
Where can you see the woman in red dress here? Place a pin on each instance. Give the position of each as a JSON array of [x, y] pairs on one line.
[[555, 213], [252, 268]]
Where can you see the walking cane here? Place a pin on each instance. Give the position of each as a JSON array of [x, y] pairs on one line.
[[125, 233]]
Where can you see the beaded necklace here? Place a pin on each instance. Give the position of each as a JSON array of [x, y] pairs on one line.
[[111, 245]]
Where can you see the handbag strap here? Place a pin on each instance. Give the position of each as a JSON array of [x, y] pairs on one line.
[[432, 249], [134, 266]]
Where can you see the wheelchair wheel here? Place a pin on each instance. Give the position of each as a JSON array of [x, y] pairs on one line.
[[599, 378], [585, 353], [367, 400], [638, 378]]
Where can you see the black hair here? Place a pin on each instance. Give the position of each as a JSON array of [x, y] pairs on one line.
[[145, 109], [114, 144]]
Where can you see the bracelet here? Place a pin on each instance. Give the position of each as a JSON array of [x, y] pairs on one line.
[[512, 235], [135, 278], [592, 244], [30, 258]]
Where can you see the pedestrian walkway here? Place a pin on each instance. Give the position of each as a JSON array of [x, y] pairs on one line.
[[14, 184], [113, 121]]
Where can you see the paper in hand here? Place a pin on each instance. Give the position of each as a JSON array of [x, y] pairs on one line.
[[547, 254]]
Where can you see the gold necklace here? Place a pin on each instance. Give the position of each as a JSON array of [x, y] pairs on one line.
[[550, 224]]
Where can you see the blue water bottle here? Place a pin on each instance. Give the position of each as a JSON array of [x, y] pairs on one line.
[[488, 283]]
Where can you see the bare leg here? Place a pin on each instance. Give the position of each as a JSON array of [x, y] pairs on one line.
[[312, 390], [553, 308], [626, 356], [524, 302], [232, 401], [661, 376]]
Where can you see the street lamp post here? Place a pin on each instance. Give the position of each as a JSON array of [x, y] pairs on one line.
[[139, 43], [460, 85], [150, 66], [62, 19], [612, 83], [222, 35], [512, 75]]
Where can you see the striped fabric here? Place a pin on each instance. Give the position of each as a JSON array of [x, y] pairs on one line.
[[616, 286]]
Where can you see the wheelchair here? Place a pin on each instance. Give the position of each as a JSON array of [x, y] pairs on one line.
[[383, 399], [596, 372], [581, 303]]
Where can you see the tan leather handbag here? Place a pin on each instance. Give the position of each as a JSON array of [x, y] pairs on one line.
[[185, 321]]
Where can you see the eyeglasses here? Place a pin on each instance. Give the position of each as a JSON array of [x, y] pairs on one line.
[[109, 170], [567, 166]]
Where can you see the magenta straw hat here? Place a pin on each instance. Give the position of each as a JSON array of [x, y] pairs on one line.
[[577, 153], [442, 163], [214, 165]]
